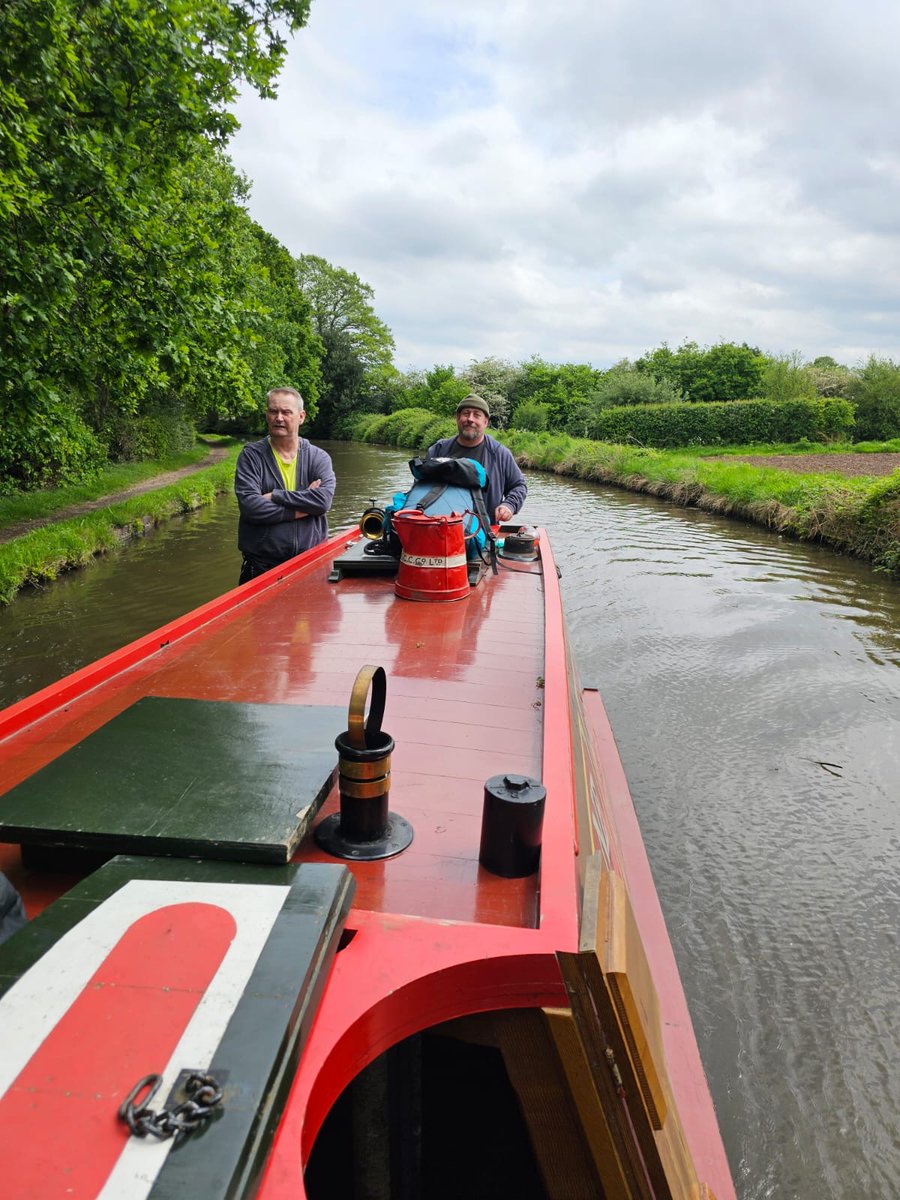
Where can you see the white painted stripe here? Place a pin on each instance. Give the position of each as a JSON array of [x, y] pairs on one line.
[[36, 1002], [425, 560]]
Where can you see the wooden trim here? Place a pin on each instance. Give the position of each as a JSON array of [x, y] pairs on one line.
[[607, 1062], [616, 1011], [568, 1166], [617, 943]]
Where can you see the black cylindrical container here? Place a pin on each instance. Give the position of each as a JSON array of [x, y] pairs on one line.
[[364, 779], [363, 829], [511, 824]]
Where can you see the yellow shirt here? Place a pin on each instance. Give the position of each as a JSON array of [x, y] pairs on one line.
[[288, 472]]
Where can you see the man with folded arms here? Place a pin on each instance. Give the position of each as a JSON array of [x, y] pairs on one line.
[[284, 487]]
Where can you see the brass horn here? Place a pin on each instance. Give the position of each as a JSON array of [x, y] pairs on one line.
[[371, 523]]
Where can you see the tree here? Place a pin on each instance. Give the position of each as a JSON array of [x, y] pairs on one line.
[[726, 371], [444, 390], [495, 380], [875, 393], [385, 390], [285, 347], [562, 386], [785, 378], [625, 384], [110, 116], [342, 303], [401, 389], [358, 344], [830, 378]]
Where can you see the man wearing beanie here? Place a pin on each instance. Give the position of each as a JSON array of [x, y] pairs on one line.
[[506, 487]]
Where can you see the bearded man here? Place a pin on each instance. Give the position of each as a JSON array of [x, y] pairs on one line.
[[506, 487]]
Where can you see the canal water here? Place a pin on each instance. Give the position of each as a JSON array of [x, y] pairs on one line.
[[754, 688]]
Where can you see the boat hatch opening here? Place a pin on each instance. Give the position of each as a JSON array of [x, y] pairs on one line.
[[437, 1115], [491, 1105]]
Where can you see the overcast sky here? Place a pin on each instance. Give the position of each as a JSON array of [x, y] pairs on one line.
[[587, 179]]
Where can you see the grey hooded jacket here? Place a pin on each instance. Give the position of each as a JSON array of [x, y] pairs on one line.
[[268, 531]]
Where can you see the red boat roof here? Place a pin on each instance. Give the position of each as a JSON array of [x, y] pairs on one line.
[[465, 702]]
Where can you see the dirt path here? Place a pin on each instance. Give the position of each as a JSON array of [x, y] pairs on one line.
[[842, 464], [20, 528]]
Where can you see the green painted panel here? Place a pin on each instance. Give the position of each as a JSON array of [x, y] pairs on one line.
[[184, 777]]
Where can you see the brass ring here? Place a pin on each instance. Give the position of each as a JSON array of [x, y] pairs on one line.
[[365, 789], [348, 769], [359, 728]]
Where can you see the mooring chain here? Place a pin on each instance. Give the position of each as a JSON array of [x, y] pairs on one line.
[[204, 1093]]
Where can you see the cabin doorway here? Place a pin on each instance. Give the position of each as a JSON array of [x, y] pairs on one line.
[[434, 1118]]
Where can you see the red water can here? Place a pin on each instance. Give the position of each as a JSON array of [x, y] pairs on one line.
[[433, 563]]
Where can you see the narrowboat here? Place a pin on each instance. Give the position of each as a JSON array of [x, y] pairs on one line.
[[335, 889]]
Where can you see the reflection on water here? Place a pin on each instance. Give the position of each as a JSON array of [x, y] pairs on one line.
[[754, 689]]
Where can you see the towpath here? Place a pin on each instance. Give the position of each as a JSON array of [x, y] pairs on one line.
[[20, 528]]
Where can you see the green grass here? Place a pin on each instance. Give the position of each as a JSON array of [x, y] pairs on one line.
[[28, 506], [44, 553]]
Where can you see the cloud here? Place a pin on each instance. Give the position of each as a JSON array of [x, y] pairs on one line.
[[584, 181]]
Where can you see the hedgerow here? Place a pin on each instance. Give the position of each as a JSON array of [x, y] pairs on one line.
[[671, 425]]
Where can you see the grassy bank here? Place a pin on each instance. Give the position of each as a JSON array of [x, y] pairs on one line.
[[859, 516], [44, 553]]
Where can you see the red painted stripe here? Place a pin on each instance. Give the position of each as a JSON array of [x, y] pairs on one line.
[[560, 904], [59, 1134]]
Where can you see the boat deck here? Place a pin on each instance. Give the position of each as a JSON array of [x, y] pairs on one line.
[[478, 687], [464, 703]]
